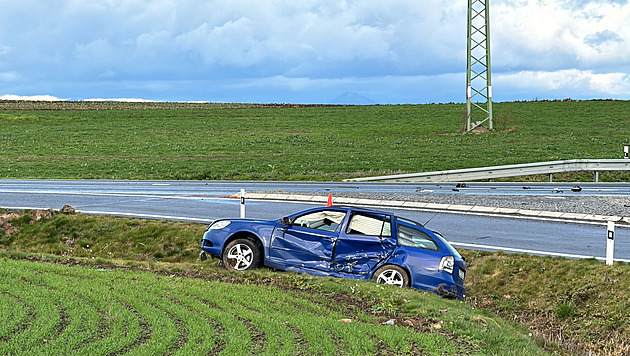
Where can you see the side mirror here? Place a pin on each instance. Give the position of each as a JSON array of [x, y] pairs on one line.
[[286, 220]]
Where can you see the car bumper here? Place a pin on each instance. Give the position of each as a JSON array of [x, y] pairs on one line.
[[203, 256], [451, 291]]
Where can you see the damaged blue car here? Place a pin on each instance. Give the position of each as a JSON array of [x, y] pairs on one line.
[[341, 242]]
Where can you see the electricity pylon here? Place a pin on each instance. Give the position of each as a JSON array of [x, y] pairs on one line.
[[478, 74]]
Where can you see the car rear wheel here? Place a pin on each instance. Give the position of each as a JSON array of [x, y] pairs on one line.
[[241, 255], [391, 274]]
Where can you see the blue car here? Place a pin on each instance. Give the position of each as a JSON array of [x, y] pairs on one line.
[[341, 242]]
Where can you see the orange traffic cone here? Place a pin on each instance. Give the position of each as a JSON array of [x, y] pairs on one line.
[[329, 200]]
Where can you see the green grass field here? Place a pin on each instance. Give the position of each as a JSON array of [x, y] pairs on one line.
[[290, 142], [57, 309], [73, 284], [61, 310], [65, 292]]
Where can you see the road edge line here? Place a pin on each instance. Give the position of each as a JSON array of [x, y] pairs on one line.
[[453, 208]]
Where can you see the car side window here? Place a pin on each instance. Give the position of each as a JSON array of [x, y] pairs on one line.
[[408, 236], [370, 225], [327, 220]]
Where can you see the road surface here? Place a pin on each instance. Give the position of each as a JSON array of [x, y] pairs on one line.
[[205, 201]]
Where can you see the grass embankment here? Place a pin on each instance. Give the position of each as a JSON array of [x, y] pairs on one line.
[[53, 305], [50, 308], [292, 142], [580, 305]]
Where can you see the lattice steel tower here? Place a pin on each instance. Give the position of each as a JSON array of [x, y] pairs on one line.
[[478, 74]]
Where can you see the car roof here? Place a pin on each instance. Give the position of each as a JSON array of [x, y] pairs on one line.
[[353, 208]]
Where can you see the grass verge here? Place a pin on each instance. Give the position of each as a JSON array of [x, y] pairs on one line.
[[563, 306], [581, 305], [85, 299]]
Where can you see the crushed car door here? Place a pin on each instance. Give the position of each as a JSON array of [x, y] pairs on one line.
[[366, 241], [308, 241]]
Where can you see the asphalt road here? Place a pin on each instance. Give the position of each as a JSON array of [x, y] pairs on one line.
[[229, 187], [206, 201]]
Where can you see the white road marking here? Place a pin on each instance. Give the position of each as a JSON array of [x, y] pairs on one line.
[[149, 216], [96, 194], [114, 213], [444, 211], [24, 208], [533, 252]]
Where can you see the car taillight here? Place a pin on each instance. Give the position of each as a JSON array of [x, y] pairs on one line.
[[446, 264]]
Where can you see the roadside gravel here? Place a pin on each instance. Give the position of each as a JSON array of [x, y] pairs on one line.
[[614, 206]]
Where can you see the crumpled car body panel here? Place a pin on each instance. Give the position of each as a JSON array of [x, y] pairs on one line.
[[341, 248]]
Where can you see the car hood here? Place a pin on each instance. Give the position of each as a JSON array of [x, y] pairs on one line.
[[247, 222]]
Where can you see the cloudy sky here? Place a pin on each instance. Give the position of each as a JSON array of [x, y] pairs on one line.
[[308, 51]]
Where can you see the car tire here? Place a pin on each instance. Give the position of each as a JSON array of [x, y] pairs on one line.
[[241, 255], [391, 274]]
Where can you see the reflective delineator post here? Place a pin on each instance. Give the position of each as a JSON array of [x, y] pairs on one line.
[[242, 203], [625, 152], [610, 243]]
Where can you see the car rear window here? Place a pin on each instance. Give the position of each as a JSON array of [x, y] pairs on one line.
[[408, 236]]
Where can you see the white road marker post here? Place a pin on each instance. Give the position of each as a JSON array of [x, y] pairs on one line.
[[625, 152], [610, 243], [242, 203]]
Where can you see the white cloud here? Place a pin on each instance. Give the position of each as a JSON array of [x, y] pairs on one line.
[[99, 52], [121, 100], [30, 97], [571, 80], [303, 46], [290, 37], [556, 34]]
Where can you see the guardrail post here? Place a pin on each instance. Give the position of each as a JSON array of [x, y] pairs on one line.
[[610, 243], [242, 203], [550, 177], [596, 176]]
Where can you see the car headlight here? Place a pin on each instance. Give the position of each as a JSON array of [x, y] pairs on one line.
[[219, 225], [446, 264]]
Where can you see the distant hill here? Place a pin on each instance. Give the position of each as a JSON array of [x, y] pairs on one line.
[[352, 98]]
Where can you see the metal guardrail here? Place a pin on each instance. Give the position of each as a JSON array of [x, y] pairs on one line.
[[513, 170]]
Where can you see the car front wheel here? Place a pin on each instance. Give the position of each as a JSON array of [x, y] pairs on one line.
[[391, 275], [241, 255]]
